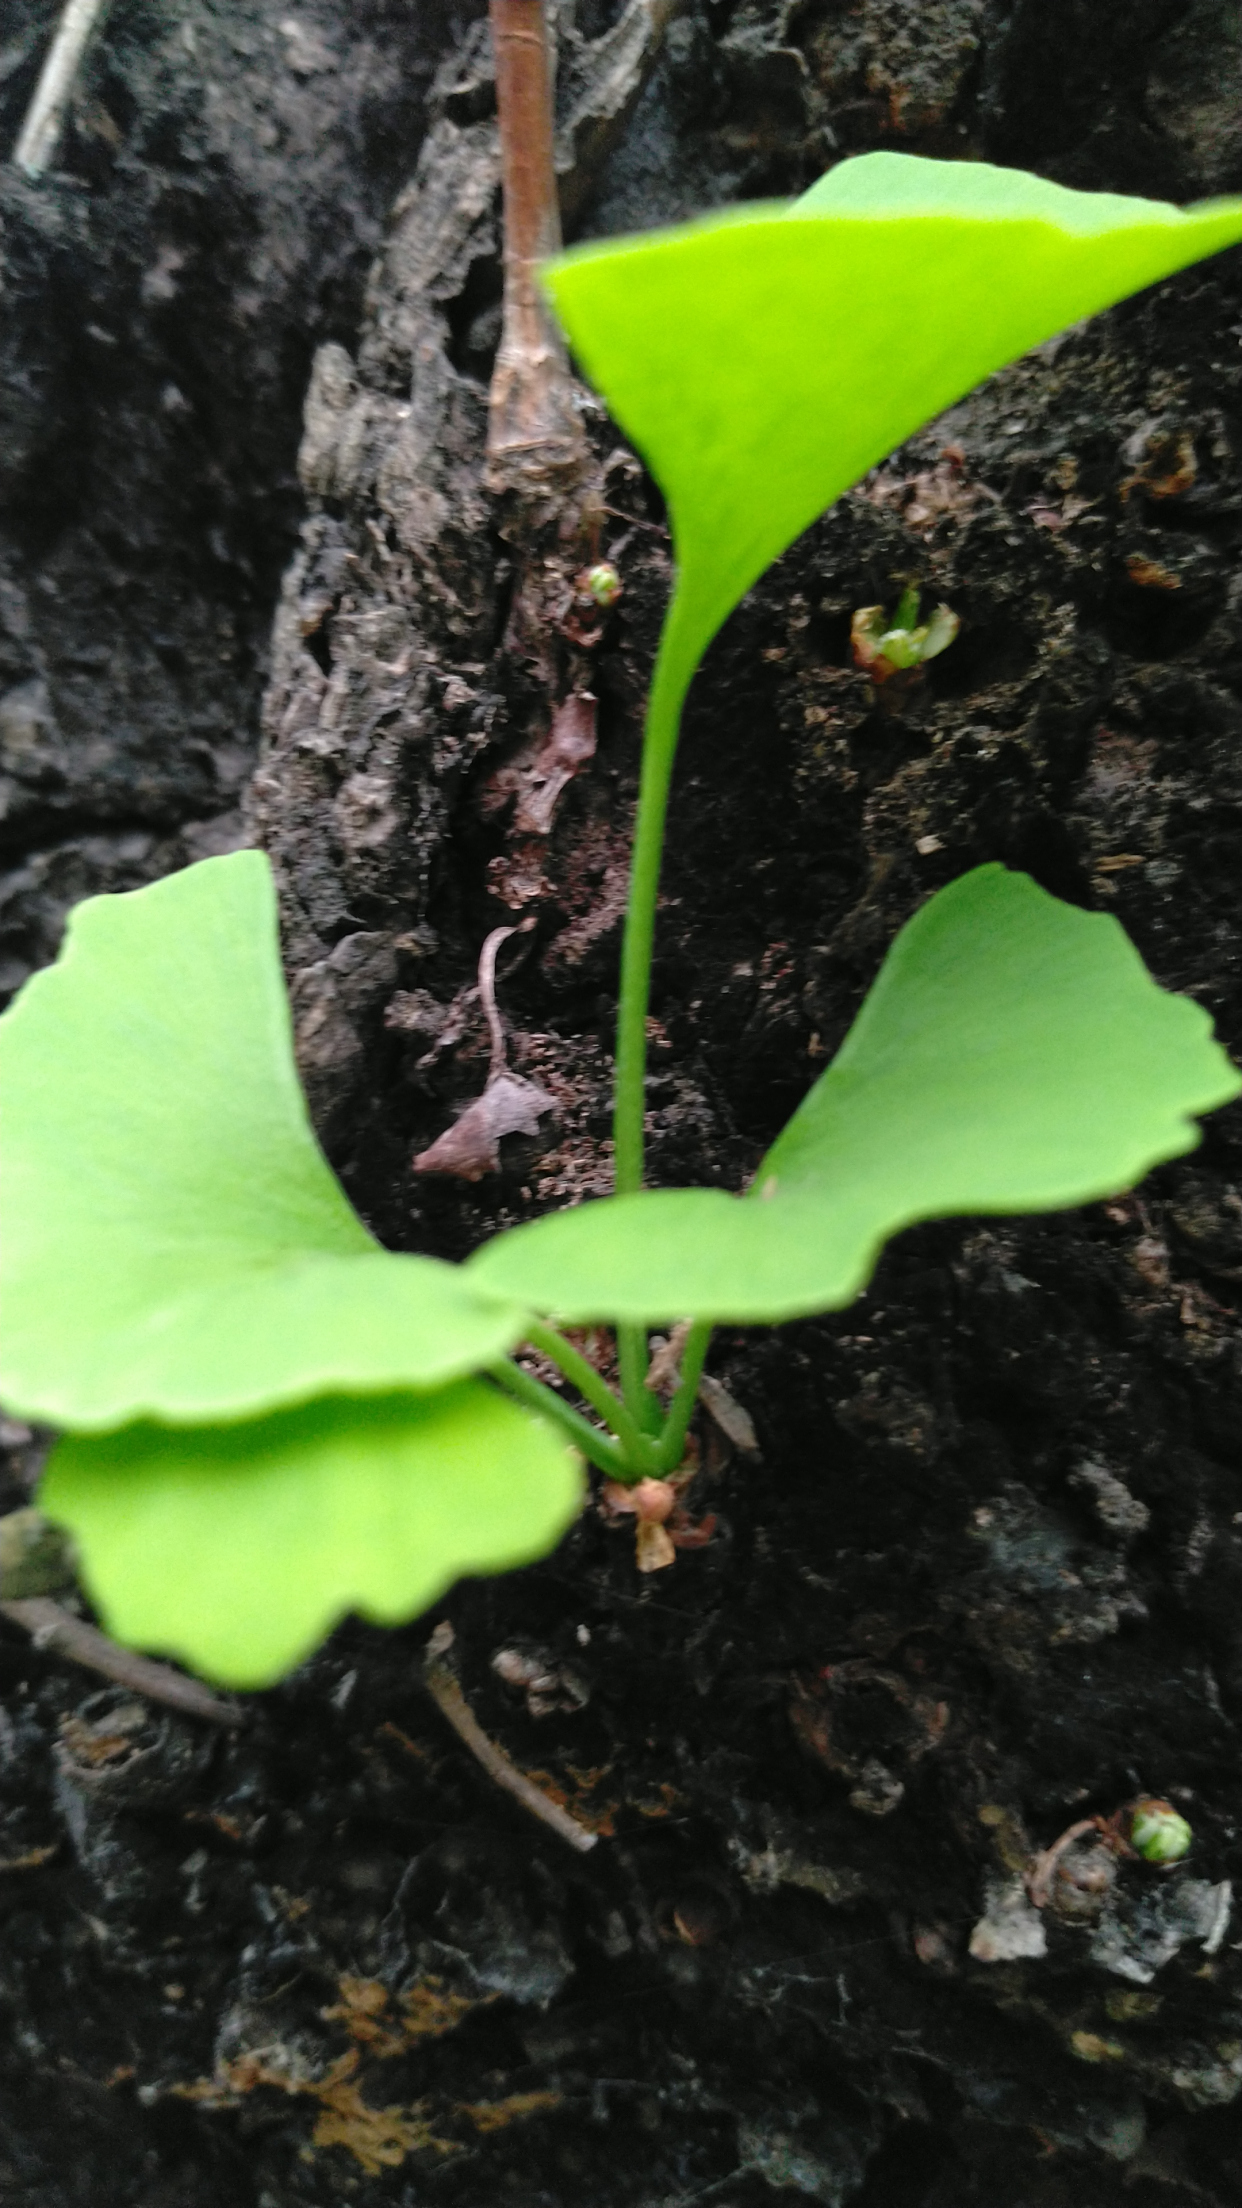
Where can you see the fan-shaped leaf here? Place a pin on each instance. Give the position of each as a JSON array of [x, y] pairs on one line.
[[172, 1241], [1013, 1055], [237, 1548], [763, 359]]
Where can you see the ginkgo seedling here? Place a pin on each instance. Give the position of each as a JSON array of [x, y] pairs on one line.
[[267, 1420], [884, 647]]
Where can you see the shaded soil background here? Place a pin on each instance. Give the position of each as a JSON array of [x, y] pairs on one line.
[[985, 1580]]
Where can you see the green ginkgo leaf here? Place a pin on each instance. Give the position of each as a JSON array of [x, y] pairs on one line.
[[236, 1548], [1014, 1055], [172, 1242], [764, 358]]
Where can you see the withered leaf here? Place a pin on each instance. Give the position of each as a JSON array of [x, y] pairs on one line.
[[537, 782], [469, 1148]]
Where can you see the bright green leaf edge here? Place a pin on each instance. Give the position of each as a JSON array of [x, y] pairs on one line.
[[764, 358], [1014, 1055], [173, 1243], [237, 1549]]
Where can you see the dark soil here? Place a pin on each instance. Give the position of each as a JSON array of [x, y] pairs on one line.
[[985, 1581]]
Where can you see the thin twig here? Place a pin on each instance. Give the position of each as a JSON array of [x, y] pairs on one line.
[[487, 998], [61, 1634], [442, 1686], [487, 991], [1043, 1870], [40, 133]]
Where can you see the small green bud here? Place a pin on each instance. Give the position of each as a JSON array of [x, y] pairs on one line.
[[883, 647], [602, 583], [1157, 1833]]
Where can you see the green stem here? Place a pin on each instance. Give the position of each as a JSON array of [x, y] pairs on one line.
[[668, 689], [601, 1449], [681, 1409], [633, 1359], [581, 1374]]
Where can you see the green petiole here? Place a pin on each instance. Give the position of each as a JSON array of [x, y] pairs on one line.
[[668, 689], [624, 1452], [659, 749], [600, 1449], [582, 1375], [681, 1409]]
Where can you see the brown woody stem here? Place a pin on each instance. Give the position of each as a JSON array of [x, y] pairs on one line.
[[535, 441], [61, 1634], [442, 1686]]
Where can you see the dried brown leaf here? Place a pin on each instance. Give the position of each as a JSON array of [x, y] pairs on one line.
[[538, 775], [735, 1423], [570, 744], [509, 1105], [653, 1547]]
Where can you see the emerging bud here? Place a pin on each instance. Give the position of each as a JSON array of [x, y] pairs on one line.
[[602, 583], [883, 648], [1157, 1833]]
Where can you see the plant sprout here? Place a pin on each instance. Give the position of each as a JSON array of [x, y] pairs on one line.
[[267, 1420], [884, 648], [1158, 1833]]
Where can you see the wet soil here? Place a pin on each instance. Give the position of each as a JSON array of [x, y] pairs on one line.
[[983, 1581]]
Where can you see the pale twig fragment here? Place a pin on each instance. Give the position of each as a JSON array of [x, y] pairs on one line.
[[487, 997], [40, 133], [443, 1687], [59, 1633], [735, 1424], [664, 1371]]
